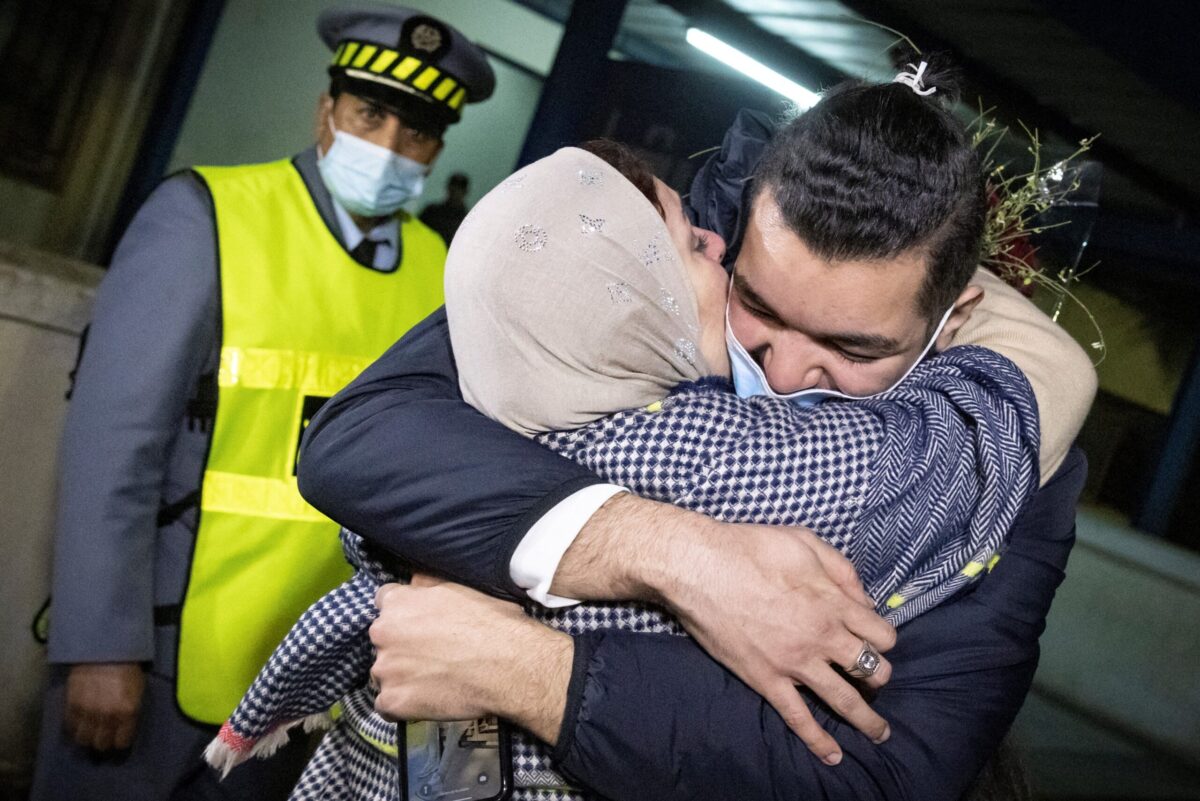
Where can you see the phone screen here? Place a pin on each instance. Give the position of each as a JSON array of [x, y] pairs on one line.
[[463, 760]]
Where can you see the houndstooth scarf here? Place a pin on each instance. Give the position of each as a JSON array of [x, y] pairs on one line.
[[918, 488]]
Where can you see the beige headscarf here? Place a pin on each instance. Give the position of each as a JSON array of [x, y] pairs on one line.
[[566, 299]]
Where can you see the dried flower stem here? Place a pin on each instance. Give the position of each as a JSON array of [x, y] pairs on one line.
[[1019, 199]]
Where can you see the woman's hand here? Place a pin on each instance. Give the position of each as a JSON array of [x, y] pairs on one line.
[[447, 652]]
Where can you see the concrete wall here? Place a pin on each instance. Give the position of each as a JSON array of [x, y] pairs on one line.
[[1122, 644], [74, 220], [44, 304], [257, 96], [27, 208]]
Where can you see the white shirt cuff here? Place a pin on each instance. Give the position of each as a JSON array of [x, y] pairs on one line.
[[535, 561]]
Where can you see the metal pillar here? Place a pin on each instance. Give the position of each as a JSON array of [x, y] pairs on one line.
[[1178, 453], [170, 109], [569, 93]]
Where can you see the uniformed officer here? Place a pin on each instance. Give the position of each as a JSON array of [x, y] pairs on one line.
[[238, 300]]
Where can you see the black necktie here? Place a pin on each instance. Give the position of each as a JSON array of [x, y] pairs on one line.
[[364, 252]]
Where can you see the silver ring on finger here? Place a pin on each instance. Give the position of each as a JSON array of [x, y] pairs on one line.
[[866, 664]]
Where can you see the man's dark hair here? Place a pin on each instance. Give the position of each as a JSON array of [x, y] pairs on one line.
[[459, 180], [875, 170]]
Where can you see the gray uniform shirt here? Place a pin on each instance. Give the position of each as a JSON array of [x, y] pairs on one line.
[[130, 447]]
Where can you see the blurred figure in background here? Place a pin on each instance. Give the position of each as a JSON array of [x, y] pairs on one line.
[[239, 299], [445, 217]]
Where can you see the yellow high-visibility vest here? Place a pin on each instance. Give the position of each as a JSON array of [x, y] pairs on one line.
[[299, 319]]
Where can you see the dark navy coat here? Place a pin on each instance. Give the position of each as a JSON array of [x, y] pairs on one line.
[[400, 458]]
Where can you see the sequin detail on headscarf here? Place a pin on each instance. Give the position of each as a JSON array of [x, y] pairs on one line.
[[591, 225], [686, 349], [619, 293], [530, 238], [591, 177], [667, 302], [652, 253]]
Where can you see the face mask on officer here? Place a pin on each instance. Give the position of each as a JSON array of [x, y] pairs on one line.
[[368, 179]]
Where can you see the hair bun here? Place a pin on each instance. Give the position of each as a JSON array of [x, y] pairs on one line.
[[940, 73]]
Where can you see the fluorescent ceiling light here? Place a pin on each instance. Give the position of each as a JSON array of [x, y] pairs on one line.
[[741, 62]]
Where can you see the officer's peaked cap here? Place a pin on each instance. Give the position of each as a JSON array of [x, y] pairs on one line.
[[407, 61]]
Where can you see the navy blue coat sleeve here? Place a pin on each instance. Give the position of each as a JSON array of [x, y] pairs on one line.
[[400, 459], [653, 716]]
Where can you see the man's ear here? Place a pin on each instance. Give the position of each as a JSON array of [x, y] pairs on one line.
[[320, 125], [963, 307]]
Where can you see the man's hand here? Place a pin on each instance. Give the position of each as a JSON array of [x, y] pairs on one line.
[[103, 701], [764, 604], [776, 605], [446, 652]]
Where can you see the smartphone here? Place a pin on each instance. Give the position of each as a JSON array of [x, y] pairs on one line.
[[462, 760]]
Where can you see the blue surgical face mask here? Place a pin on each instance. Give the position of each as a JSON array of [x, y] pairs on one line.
[[368, 179], [749, 378]]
